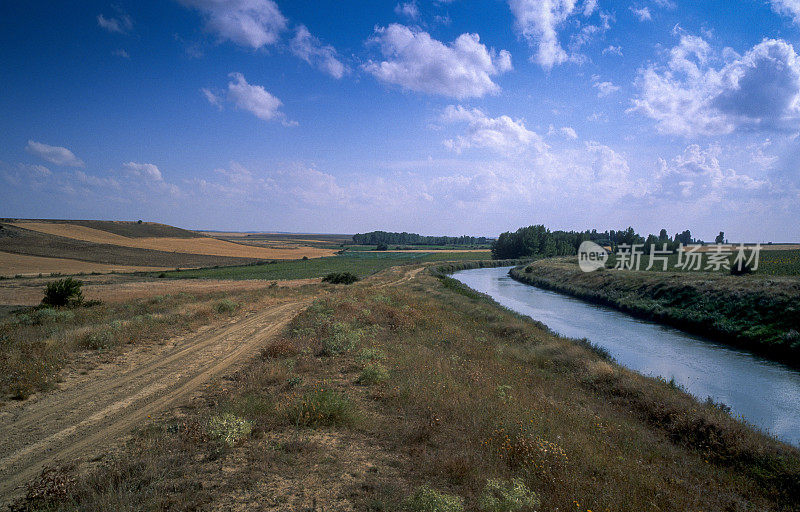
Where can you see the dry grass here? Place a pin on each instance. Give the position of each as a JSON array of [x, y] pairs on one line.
[[473, 394], [199, 245], [22, 264]]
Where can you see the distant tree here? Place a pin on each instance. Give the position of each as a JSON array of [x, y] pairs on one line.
[[663, 236], [381, 247], [720, 238], [139, 221]]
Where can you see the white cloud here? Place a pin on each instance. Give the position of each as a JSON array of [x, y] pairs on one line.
[[787, 7], [409, 9], [567, 132], [697, 175], [417, 62], [612, 50], [688, 96], [500, 134], [148, 172], [121, 24], [538, 22], [603, 88], [54, 154], [251, 98], [324, 57], [121, 53], [250, 23], [589, 7], [643, 13]]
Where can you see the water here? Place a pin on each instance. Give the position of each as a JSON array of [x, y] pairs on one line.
[[765, 393]]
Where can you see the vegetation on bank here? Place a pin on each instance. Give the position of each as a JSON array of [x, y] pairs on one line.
[[755, 312], [478, 409]]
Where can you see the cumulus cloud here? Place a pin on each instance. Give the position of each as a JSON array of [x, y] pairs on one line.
[[567, 132], [689, 96], [54, 154], [500, 134], [417, 62], [249, 23], [612, 50], [697, 175], [248, 97], [409, 9], [787, 7], [604, 88], [324, 57], [120, 24], [538, 22]]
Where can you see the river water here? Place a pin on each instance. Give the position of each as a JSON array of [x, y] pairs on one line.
[[764, 393]]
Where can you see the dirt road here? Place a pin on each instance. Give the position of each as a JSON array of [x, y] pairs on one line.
[[92, 411]]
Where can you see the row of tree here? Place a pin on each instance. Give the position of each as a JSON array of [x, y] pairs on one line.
[[386, 237], [540, 241]]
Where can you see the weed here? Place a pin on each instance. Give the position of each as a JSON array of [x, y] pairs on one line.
[[507, 496], [226, 306], [428, 499], [322, 407], [228, 428], [343, 339], [373, 373], [371, 354]]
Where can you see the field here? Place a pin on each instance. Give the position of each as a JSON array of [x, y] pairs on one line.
[[361, 264], [21, 264], [104, 246], [400, 391], [772, 262]]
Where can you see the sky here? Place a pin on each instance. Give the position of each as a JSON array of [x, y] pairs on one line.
[[429, 116]]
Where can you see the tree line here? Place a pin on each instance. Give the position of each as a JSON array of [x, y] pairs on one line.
[[539, 241], [387, 237]]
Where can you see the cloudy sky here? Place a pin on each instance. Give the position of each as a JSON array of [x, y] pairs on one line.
[[432, 116]]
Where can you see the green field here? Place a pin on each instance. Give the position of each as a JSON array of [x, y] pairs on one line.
[[360, 263], [773, 263]]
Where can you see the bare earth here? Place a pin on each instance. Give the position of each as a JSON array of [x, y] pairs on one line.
[[92, 411], [200, 245], [29, 293], [16, 264]]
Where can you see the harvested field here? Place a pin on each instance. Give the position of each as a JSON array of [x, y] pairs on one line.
[[121, 227], [22, 264], [24, 241], [200, 245]]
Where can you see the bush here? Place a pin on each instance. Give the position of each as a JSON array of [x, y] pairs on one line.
[[64, 292], [226, 306], [381, 247], [228, 428], [427, 499], [371, 354], [373, 373], [507, 496], [322, 407], [342, 339], [340, 278]]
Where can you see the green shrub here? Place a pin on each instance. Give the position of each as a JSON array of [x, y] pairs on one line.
[[64, 292], [228, 428], [371, 354], [427, 499], [322, 407], [340, 278], [97, 340], [507, 496], [343, 339], [226, 306], [373, 373], [45, 316]]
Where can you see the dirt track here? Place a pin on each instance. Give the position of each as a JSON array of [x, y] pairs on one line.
[[92, 411]]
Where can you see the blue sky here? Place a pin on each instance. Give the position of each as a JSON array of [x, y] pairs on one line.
[[438, 117]]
